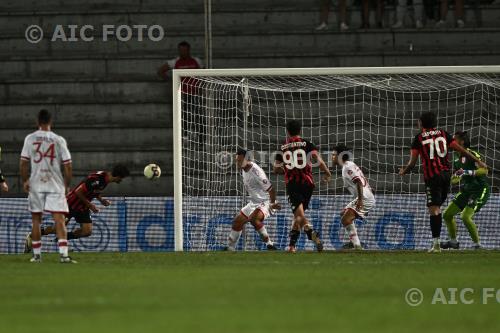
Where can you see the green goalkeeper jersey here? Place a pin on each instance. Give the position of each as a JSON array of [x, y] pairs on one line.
[[470, 183]]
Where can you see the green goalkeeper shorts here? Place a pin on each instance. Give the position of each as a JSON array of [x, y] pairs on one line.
[[474, 199]]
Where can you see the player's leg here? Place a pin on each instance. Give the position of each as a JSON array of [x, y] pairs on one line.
[[236, 229], [437, 192], [449, 217], [469, 211], [85, 222], [303, 223], [347, 221], [36, 237], [257, 221], [56, 204]]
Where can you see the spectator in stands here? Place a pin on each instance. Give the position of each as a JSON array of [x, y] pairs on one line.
[[459, 13], [325, 9], [184, 60], [402, 8], [365, 18]]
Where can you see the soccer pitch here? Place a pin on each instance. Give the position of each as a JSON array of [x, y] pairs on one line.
[[248, 292]]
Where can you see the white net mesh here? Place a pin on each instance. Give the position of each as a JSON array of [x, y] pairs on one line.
[[375, 115]]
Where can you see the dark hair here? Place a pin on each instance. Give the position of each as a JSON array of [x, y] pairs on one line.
[[241, 151], [44, 117], [428, 120], [120, 170], [293, 127], [340, 148], [463, 136], [184, 43]]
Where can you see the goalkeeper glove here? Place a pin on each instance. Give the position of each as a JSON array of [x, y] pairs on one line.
[[455, 179]]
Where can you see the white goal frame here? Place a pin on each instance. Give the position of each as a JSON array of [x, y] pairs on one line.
[[178, 74]]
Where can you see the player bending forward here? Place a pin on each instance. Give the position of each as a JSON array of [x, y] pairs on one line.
[[260, 206], [472, 197], [357, 185], [432, 145], [80, 202], [295, 162], [45, 151]]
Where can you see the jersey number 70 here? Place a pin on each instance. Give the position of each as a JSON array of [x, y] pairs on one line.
[[435, 144]]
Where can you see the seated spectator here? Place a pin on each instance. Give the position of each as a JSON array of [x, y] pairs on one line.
[[184, 60], [459, 13], [365, 18], [325, 9], [402, 8]]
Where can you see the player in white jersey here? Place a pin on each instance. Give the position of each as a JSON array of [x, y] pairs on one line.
[[45, 151], [261, 203], [357, 184]]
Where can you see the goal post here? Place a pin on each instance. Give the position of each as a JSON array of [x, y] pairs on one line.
[[217, 110]]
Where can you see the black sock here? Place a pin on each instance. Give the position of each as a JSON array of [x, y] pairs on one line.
[[309, 233], [71, 235], [436, 223], [42, 231], [294, 237]]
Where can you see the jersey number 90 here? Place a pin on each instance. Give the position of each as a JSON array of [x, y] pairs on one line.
[[296, 159]]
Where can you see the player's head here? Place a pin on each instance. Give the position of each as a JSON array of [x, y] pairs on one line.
[[340, 154], [119, 172], [44, 118], [241, 158], [462, 139], [293, 127], [428, 120], [184, 49]]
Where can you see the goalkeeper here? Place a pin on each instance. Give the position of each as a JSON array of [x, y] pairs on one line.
[[474, 194]]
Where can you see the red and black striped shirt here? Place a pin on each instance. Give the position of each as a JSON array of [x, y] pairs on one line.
[[91, 186], [432, 146], [296, 157]]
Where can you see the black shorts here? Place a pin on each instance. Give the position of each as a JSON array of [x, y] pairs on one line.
[[437, 189], [299, 194], [80, 217]]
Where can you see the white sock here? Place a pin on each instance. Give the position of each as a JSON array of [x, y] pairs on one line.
[[353, 234], [63, 247], [234, 236], [37, 247], [435, 241], [264, 235]]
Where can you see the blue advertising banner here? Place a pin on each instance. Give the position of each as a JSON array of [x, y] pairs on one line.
[[398, 222]]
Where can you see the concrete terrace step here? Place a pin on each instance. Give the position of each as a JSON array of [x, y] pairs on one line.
[[143, 115]]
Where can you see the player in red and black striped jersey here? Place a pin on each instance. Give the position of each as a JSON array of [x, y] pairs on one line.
[[432, 144], [80, 199], [295, 162]]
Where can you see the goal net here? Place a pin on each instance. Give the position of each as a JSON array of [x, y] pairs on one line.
[[373, 111]]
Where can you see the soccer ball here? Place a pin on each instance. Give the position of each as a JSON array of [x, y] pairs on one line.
[[152, 171]]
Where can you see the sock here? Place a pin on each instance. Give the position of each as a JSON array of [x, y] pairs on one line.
[[449, 218], [436, 223], [71, 235], [264, 235], [467, 214], [234, 236], [37, 247], [294, 237], [63, 247], [309, 231], [353, 234]]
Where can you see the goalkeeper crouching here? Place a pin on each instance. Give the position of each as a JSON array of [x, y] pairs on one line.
[[474, 194]]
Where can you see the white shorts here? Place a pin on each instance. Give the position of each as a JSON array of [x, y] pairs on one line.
[[49, 202], [367, 206], [251, 207]]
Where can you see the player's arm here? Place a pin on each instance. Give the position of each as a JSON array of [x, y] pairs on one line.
[[359, 187], [162, 71], [68, 174], [3, 183], [104, 202], [278, 166], [411, 163], [24, 168], [80, 194], [469, 155], [272, 198], [316, 158]]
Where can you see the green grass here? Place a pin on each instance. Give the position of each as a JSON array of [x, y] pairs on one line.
[[246, 292]]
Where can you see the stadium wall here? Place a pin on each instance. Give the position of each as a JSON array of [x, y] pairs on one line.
[[399, 222]]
